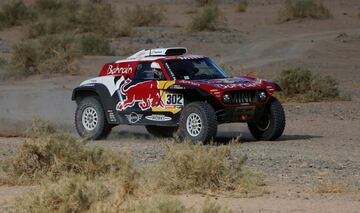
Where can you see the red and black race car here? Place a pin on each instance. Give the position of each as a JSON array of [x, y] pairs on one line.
[[169, 91]]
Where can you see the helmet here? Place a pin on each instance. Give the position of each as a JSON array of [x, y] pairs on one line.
[[155, 65]]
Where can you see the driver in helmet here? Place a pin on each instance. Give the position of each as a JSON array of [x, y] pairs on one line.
[[156, 69]]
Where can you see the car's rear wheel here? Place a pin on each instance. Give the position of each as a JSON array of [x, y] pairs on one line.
[[161, 131], [198, 122], [90, 120], [271, 125]]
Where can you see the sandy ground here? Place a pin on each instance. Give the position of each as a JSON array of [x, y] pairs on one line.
[[321, 140]]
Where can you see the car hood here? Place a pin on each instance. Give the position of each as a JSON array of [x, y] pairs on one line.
[[234, 83]]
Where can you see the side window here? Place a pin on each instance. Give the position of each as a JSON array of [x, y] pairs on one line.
[[143, 71]]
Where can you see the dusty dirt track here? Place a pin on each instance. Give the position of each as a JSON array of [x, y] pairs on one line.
[[321, 140]]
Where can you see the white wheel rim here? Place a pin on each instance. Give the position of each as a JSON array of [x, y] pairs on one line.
[[193, 124], [89, 118]]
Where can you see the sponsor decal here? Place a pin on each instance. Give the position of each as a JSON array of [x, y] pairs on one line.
[[191, 83], [133, 117], [112, 69], [144, 93], [245, 84], [157, 117]]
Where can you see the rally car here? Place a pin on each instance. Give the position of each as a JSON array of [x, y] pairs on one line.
[[171, 92]]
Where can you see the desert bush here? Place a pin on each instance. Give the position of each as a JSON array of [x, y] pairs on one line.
[[92, 44], [198, 168], [42, 127], [14, 13], [97, 17], [47, 55], [302, 9], [147, 15], [70, 194], [301, 85], [325, 185], [59, 154], [242, 6], [205, 2], [206, 19], [44, 25]]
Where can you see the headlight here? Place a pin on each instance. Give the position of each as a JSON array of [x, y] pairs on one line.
[[262, 96], [226, 98]]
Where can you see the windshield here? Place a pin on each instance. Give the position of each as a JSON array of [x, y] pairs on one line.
[[194, 69]]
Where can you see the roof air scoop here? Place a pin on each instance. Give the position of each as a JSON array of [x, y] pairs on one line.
[[171, 51]]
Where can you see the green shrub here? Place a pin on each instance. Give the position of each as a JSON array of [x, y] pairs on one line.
[[206, 19], [146, 15], [74, 194], [205, 2], [301, 85], [57, 155], [47, 55], [92, 44], [302, 9], [242, 5], [14, 13]]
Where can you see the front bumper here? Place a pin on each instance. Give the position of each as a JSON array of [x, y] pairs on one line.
[[240, 114]]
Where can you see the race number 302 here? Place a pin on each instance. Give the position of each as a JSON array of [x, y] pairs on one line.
[[174, 99]]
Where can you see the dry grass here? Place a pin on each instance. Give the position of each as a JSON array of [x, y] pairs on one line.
[[202, 169], [304, 9], [47, 55], [77, 178], [56, 155], [329, 185], [301, 85], [41, 127], [143, 15], [207, 19], [93, 44], [202, 3], [14, 13], [74, 194], [241, 6]]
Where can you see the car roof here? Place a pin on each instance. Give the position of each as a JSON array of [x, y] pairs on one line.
[[171, 53]]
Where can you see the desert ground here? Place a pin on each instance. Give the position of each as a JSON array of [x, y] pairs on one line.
[[321, 141]]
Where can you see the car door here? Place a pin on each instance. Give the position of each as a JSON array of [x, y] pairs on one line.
[[139, 95]]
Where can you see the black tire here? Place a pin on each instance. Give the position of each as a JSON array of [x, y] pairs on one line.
[[272, 124], [161, 131], [208, 121], [102, 129]]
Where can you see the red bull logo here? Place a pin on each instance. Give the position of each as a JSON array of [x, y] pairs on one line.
[[145, 94]]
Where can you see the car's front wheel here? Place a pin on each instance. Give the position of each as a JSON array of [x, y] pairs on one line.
[[271, 125], [198, 122], [90, 120]]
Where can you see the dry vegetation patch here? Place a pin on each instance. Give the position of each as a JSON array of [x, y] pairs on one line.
[[56, 155], [242, 5], [206, 19], [49, 54], [75, 177], [201, 169], [15, 13], [326, 185], [303, 9], [143, 15], [202, 3], [302, 85]]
